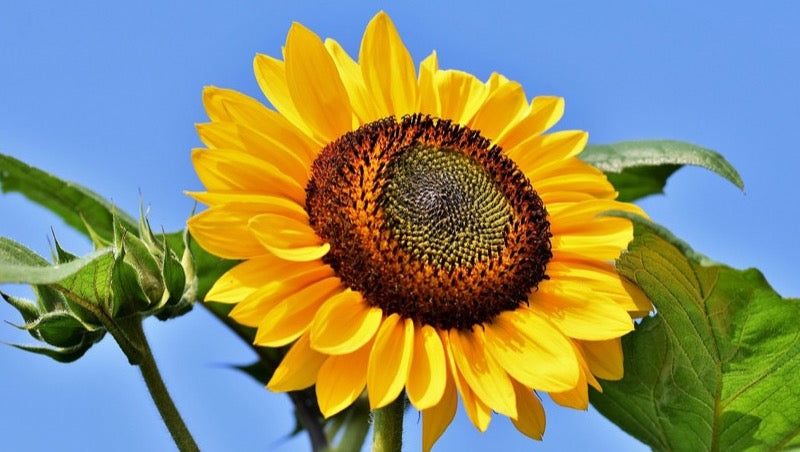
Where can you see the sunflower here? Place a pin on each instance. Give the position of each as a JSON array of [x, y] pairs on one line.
[[413, 231]]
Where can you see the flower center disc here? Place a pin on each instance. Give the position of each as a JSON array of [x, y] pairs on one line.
[[443, 207], [428, 220]]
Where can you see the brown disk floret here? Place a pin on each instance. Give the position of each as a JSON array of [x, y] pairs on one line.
[[428, 220]]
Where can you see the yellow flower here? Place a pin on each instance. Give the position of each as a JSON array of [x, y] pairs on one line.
[[413, 231]]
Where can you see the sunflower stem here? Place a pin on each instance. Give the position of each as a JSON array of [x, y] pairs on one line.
[[388, 425], [155, 385]]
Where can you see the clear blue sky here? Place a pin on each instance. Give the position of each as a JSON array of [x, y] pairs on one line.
[[108, 95]]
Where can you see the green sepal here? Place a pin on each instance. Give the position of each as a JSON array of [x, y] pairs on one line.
[[175, 303], [140, 258], [26, 308], [59, 329], [189, 269], [97, 241], [128, 294], [146, 234], [49, 299], [65, 355], [61, 256]]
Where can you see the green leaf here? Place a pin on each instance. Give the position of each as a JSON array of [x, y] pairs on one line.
[[718, 367], [641, 168], [72, 202], [15, 253], [257, 370], [16, 272]]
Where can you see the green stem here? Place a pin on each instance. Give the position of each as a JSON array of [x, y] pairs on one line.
[[158, 391], [388, 425]]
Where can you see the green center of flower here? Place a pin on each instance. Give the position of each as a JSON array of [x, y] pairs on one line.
[[428, 220], [444, 207]]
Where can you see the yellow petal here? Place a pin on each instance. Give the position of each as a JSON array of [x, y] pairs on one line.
[[486, 378], [284, 279], [296, 165], [344, 324], [215, 107], [388, 68], [576, 398], [496, 80], [503, 107], [543, 113], [603, 245], [298, 369], [291, 317], [242, 280], [223, 232], [460, 95], [578, 185], [390, 360], [427, 378], [255, 203], [315, 86], [288, 238], [233, 107], [552, 148], [437, 418], [601, 277], [341, 380], [641, 304], [428, 95], [230, 171], [532, 351], [531, 420], [219, 135], [604, 358], [479, 413], [581, 230], [271, 77], [572, 166], [579, 312], [360, 98], [587, 376], [589, 215]]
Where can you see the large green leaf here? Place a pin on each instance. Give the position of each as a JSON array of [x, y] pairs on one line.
[[18, 265], [641, 168], [70, 201], [718, 366]]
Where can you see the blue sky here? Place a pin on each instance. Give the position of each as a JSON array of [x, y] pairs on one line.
[[108, 96]]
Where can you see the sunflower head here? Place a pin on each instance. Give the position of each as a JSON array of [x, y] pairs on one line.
[[413, 230], [428, 220]]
